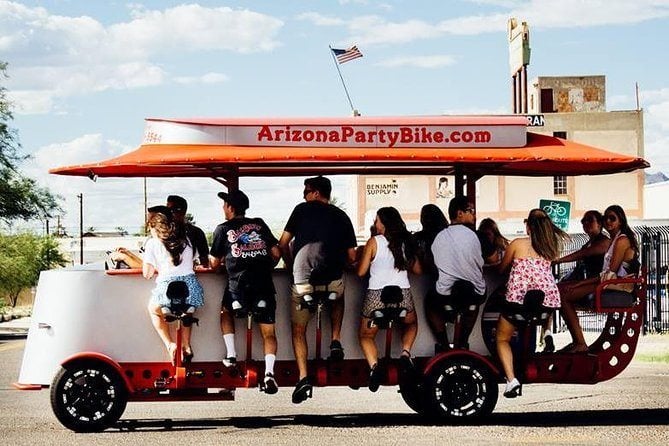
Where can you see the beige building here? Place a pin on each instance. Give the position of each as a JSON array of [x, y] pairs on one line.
[[573, 108]]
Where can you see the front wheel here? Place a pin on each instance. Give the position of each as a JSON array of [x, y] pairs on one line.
[[460, 387], [88, 396]]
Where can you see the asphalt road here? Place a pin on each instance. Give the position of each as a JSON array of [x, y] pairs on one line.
[[630, 409]]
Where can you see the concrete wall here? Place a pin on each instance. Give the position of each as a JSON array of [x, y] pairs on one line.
[[655, 201], [569, 94]]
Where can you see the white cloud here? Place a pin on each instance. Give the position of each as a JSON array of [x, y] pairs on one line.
[[360, 2], [320, 19], [620, 102], [194, 28], [105, 199], [373, 30], [434, 61], [504, 3], [31, 101], [54, 56], [208, 78]]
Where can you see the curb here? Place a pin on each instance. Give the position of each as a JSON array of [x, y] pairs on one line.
[[8, 334], [7, 317]]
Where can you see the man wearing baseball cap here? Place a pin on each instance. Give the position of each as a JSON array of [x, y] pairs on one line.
[[249, 252]]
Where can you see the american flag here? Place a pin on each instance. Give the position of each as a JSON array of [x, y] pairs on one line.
[[344, 56]]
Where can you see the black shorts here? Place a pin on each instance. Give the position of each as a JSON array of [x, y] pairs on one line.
[[265, 315], [435, 302]]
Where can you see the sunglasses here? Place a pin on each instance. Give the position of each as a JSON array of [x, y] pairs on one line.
[[610, 217], [470, 210]]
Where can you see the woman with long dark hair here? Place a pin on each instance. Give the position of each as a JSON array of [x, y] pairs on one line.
[[589, 260], [620, 260], [590, 257], [388, 257], [530, 261], [488, 227], [432, 220], [170, 254]]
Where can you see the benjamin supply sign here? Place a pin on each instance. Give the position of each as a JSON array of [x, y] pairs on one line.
[[407, 194], [558, 211]]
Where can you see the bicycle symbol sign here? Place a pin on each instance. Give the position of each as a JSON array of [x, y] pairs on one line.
[[558, 211]]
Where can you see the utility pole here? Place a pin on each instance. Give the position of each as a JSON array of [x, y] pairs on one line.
[[81, 228], [146, 205]]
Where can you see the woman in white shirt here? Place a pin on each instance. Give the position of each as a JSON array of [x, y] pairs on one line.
[[387, 256], [169, 254]]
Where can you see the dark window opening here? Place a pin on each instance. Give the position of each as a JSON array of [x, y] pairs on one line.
[[547, 100]]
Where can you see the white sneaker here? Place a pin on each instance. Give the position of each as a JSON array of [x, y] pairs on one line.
[[230, 361], [513, 389]]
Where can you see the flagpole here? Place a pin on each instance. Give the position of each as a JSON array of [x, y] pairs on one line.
[[355, 112]]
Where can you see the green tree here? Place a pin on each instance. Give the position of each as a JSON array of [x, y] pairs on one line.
[[20, 197], [22, 258]]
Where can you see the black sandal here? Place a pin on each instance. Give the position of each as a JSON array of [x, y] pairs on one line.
[[303, 390]]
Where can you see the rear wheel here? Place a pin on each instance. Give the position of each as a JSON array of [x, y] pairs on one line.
[[88, 396], [460, 387], [414, 395]]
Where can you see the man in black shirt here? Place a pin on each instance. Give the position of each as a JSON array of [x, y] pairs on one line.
[[250, 252], [178, 205], [324, 244]]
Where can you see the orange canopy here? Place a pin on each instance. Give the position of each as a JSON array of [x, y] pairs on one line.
[[540, 156]]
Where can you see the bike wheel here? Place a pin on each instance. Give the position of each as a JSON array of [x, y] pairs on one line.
[[460, 387], [88, 396]]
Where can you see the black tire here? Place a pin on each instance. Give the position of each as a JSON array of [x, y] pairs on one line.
[[461, 387], [414, 395], [88, 396]]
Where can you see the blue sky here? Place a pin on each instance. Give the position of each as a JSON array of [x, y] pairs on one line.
[[84, 75]]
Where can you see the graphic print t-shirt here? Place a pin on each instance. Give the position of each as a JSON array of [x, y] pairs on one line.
[[245, 244]]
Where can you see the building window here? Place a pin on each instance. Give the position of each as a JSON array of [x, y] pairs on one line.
[[560, 185], [547, 100]]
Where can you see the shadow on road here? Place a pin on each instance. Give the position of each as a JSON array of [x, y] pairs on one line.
[[624, 417]]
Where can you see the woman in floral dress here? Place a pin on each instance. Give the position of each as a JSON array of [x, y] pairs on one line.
[[530, 261]]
